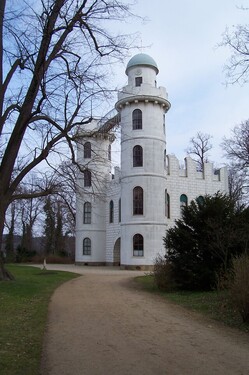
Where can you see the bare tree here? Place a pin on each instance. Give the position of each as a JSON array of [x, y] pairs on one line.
[[199, 147], [238, 189], [30, 211], [237, 40], [237, 151], [54, 56], [66, 179], [237, 146]]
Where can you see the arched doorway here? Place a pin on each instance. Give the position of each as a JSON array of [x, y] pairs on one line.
[[116, 253]]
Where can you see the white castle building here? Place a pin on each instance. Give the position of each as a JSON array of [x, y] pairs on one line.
[[121, 219]]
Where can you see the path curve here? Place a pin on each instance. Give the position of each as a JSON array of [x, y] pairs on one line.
[[100, 324]]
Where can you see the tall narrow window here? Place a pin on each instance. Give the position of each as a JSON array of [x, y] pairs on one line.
[[138, 81], [87, 178], [138, 201], [138, 245], [164, 123], [183, 200], [137, 119], [86, 246], [111, 212], [119, 210], [167, 205], [109, 152], [87, 212], [137, 156], [164, 159], [87, 150]]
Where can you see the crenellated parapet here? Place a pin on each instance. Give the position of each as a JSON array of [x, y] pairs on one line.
[[190, 170]]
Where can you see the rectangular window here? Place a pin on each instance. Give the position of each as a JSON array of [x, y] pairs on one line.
[[138, 81]]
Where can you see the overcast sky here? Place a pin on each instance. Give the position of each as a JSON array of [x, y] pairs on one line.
[[182, 36]]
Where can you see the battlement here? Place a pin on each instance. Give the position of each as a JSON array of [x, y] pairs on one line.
[[190, 170]]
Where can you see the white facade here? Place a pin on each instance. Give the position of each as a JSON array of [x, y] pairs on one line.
[[123, 220]]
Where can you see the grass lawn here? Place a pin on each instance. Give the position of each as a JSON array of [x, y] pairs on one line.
[[23, 315], [212, 304]]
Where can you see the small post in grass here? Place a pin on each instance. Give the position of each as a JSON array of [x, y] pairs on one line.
[[44, 268]]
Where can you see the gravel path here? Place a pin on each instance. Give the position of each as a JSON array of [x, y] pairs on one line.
[[102, 324]]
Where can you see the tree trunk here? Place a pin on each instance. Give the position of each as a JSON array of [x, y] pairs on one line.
[[4, 273]]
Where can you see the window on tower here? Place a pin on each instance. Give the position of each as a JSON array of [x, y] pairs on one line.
[[86, 246], [137, 156], [87, 150], [109, 152], [137, 119], [138, 201], [138, 245], [87, 178], [167, 204], [119, 210], [111, 212], [138, 81], [87, 212]]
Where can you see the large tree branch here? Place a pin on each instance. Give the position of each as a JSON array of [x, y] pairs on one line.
[[37, 194]]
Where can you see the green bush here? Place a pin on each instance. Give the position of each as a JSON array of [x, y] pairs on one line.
[[203, 242], [239, 285], [23, 254], [163, 277]]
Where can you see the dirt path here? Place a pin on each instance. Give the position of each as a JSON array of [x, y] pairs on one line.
[[99, 324]]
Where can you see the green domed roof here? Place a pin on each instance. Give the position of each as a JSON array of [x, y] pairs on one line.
[[142, 59]]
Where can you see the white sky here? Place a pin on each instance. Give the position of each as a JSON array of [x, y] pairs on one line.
[[183, 37]]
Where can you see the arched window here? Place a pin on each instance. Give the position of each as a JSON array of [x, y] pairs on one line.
[[138, 201], [138, 245], [200, 200], [119, 210], [87, 150], [111, 212], [137, 156], [167, 205], [137, 119], [110, 152], [183, 200], [87, 212], [87, 178], [86, 246]]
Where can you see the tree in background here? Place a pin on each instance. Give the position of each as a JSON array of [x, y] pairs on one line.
[[10, 223], [236, 184], [198, 149], [237, 40], [53, 66], [203, 241], [49, 227], [237, 151]]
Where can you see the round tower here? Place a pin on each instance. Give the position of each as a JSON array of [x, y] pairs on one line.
[[142, 107], [94, 157]]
